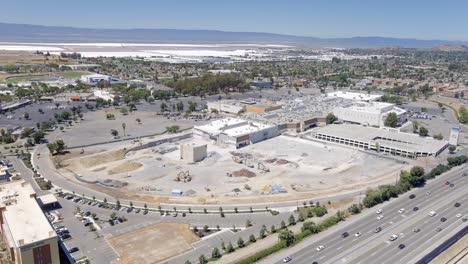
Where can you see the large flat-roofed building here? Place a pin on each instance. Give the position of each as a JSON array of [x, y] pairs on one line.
[[192, 153], [230, 107], [93, 79], [298, 114], [382, 140], [355, 96], [369, 114], [261, 108], [25, 229], [236, 132]]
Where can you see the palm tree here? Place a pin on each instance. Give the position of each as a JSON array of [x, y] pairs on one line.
[[123, 127]]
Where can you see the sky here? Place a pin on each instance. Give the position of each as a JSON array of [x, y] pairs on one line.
[[422, 19]]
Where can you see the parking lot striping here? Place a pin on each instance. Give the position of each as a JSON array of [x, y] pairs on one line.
[[110, 245]]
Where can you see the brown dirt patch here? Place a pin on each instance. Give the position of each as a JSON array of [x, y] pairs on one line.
[[153, 244], [98, 159], [244, 173], [125, 166]]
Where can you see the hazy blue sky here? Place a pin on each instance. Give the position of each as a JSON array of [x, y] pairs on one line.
[[425, 19]]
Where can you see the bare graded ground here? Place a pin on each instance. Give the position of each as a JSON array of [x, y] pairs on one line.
[[125, 167], [153, 244], [306, 170]]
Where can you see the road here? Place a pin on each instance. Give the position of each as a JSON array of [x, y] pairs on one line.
[[359, 249]]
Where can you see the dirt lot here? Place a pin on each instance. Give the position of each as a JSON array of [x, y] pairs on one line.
[[145, 245]]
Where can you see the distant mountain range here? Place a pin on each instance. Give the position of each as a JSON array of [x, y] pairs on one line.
[[35, 33]]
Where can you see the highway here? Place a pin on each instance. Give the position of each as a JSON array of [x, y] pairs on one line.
[[371, 246]]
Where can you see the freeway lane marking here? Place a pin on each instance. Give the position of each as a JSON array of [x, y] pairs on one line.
[[339, 248]]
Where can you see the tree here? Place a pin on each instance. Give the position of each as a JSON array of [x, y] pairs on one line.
[[114, 132], [452, 148], [423, 132], [354, 209], [57, 105], [138, 120], [240, 242], [202, 259], [331, 118], [215, 254], [287, 236], [26, 115], [282, 224], [272, 229], [163, 107], [124, 111], [38, 136], [248, 223], [57, 147], [261, 233], [391, 120], [180, 106], [229, 248], [123, 128], [291, 220], [252, 238], [26, 132]]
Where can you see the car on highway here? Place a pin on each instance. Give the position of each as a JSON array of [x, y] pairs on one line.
[[432, 213], [458, 215], [416, 230], [457, 204], [320, 248], [464, 219], [378, 229], [393, 238], [447, 183], [401, 246], [452, 185], [428, 193], [443, 219], [358, 234], [73, 250], [412, 196], [345, 234], [438, 229], [287, 259], [402, 210], [380, 217], [378, 211], [415, 208]]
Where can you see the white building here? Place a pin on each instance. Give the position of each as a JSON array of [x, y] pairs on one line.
[[28, 234], [236, 132], [93, 79], [384, 140], [229, 107], [454, 134], [369, 114], [355, 96], [192, 153]]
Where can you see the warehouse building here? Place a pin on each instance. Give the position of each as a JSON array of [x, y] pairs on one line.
[[28, 234], [355, 96], [235, 132], [381, 140], [369, 114]]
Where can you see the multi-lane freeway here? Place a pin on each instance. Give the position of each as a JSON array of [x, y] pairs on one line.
[[375, 247]]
